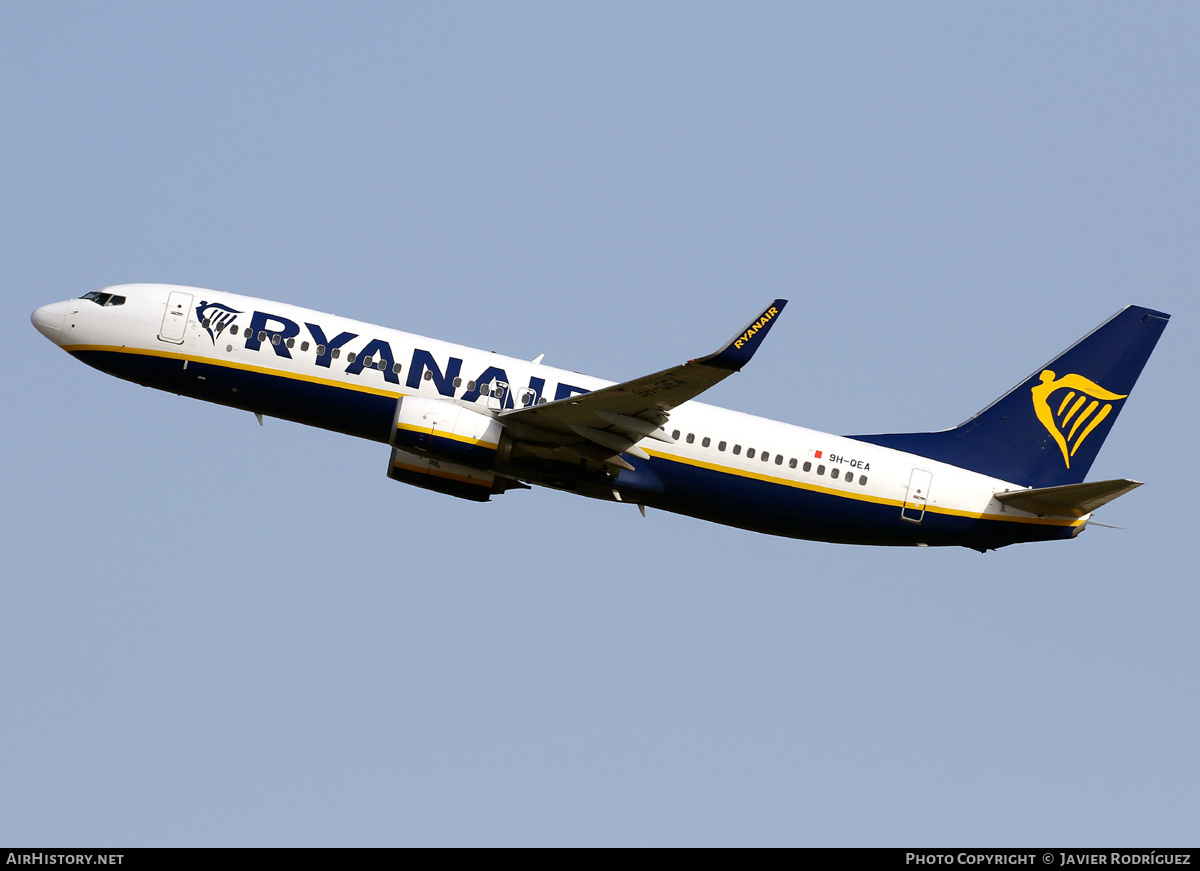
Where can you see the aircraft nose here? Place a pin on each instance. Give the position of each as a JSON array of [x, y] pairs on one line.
[[49, 320]]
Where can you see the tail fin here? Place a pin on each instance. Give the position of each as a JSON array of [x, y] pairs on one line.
[[1047, 430]]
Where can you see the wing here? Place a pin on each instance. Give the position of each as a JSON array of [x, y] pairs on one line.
[[605, 423]]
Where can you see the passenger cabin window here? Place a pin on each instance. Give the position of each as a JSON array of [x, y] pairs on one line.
[[320, 349], [458, 382], [233, 331], [749, 453], [707, 441], [262, 335], [396, 368], [675, 435], [833, 473], [303, 345], [276, 339], [337, 352], [291, 343], [350, 357], [737, 449], [691, 437], [792, 463], [862, 480], [779, 459], [820, 470], [720, 446]]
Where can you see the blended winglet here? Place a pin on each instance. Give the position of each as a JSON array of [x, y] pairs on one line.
[[737, 351], [607, 423]]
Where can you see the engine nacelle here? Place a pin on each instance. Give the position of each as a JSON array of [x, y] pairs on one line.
[[442, 476], [445, 447], [447, 431]]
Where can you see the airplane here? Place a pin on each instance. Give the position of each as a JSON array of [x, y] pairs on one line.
[[475, 424]]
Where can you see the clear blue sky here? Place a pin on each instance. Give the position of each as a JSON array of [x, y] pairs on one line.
[[218, 634]]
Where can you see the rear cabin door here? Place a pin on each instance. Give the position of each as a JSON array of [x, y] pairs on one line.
[[919, 483], [179, 306]]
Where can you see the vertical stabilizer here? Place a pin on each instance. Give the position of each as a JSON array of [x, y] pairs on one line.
[[1047, 431]]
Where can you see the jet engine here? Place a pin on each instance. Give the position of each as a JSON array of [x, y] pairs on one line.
[[443, 446]]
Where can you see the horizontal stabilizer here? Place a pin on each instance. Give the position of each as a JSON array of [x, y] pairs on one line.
[[1074, 500]]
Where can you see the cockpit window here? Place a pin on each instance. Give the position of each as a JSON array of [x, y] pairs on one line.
[[104, 298]]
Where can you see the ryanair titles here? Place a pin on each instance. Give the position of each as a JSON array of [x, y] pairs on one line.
[[280, 334]]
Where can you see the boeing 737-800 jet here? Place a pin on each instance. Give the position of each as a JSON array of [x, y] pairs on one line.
[[474, 424]]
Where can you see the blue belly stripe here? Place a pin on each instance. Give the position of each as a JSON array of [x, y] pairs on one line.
[[708, 494]]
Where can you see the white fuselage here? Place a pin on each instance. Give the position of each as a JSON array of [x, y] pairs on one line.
[[248, 352]]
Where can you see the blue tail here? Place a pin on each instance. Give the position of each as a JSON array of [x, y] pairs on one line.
[[1046, 431]]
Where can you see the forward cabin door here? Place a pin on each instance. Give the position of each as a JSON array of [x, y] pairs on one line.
[[179, 306], [919, 483]]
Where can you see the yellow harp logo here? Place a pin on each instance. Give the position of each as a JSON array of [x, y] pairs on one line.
[[1071, 419]]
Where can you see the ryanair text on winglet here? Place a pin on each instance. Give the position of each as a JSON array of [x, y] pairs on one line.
[[755, 327]]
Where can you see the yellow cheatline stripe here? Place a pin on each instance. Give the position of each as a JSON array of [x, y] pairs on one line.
[[860, 497], [433, 431], [244, 367], [281, 373], [328, 382]]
